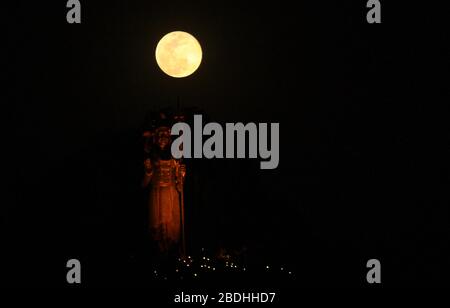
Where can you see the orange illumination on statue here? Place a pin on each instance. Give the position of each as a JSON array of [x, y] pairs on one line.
[[165, 176]]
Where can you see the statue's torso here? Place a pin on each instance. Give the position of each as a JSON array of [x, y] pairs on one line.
[[164, 173]]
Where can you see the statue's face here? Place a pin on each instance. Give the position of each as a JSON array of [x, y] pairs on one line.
[[163, 138]]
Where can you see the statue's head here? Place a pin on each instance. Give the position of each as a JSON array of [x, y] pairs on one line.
[[163, 137]]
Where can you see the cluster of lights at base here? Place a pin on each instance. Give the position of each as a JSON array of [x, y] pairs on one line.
[[203, 265]]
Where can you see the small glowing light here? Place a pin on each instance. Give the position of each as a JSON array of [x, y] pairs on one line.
[[176, 270], [244, 269], [267, 267], [195, 274], [154, 271], [209, 266], [282, 268], [204, 258], [214, 268], [187, 265], [290, 273]]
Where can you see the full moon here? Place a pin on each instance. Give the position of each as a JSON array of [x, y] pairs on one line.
[[178, 54]]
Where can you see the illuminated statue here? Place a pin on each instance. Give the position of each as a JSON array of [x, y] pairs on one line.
[[164, 176]]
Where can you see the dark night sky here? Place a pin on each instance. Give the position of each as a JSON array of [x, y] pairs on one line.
[[363, 120]]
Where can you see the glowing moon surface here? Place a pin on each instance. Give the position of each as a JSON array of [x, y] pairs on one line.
[[178, 54]]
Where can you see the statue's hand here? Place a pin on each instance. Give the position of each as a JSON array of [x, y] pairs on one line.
[[148, 165], [183, 170]]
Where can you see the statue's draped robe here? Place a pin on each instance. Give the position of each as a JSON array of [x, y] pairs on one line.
[[164, 203]]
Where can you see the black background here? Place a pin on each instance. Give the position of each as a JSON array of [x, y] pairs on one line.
[[364, 147]]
